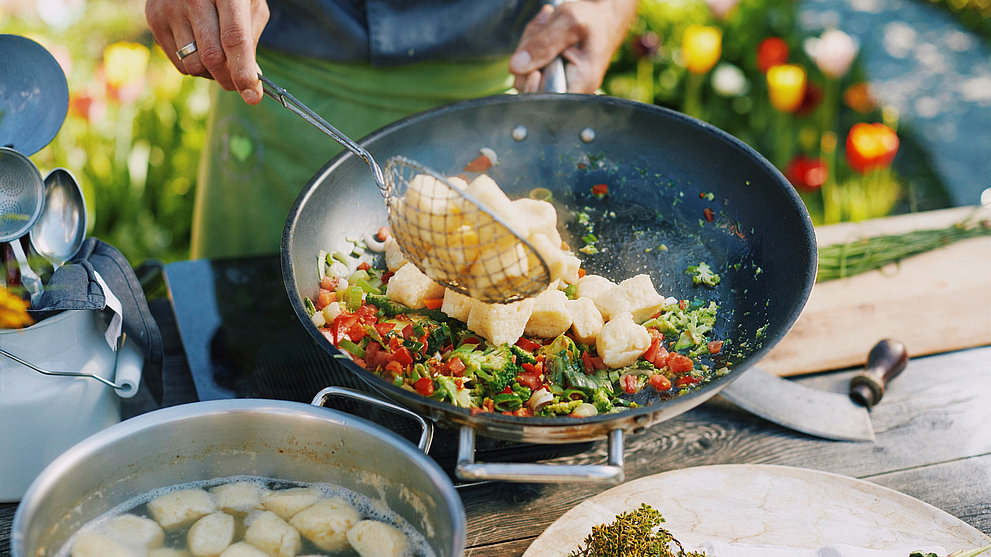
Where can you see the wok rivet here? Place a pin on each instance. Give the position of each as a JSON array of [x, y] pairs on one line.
[[638, 430], [588, 135], [641, 420], [519, 133]]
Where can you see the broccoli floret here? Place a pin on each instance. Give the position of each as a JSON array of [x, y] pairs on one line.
[[494, 368], [702, 274], [522, 356], [390, 308], [691, 324], [562, 408]]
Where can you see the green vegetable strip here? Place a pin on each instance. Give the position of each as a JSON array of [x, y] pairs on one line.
[[867, 254]]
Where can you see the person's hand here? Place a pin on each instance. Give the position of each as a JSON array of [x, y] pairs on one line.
[[585, 33], [226, 33]]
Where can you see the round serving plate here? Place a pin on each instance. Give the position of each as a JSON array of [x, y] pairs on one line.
[[773, 507]]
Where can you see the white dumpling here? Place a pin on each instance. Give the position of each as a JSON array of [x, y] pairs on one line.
[[271, 534], [134, 530], [181, 507], [92, 544], [243, 549], [287, 502], [210, 535], [326, 523], [371, 538], [238, 497]]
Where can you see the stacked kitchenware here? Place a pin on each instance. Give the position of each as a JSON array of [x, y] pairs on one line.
[[61, 379]]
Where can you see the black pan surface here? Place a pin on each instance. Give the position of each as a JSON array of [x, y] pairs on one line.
[[680, 192]]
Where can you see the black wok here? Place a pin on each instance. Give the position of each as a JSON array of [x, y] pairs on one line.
[[663, 169]]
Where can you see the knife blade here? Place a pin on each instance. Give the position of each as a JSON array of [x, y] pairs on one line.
[[814, 411]]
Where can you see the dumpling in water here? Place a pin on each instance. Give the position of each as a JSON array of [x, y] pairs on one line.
[[326, 523], [371, 538]]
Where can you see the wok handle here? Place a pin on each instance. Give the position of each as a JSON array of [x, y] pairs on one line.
[[426, 437], [468, 469]]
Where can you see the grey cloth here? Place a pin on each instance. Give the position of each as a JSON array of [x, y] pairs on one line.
[[391, 32], [74, 286]]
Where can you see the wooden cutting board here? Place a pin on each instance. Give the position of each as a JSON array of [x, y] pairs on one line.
[[934, 302]]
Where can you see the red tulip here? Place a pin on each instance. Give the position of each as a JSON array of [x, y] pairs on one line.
[[806, 173], [811, 100], [772, 51], [870, 146]]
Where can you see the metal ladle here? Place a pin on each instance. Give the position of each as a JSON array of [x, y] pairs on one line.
[[22, 198], [61, 228]]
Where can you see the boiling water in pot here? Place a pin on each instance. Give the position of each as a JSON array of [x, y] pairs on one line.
[[244, 516]]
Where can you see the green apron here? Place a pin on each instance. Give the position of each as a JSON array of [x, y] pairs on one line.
[[256, 159]]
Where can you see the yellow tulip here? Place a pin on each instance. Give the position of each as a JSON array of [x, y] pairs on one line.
[[125, 64], [13, 311], [786, 86], [701, 46]]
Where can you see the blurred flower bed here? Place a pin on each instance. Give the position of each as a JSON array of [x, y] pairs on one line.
[[135, 126], [803, 100], [134, 129]]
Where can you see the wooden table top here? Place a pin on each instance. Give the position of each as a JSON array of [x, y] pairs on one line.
[[933, 443]]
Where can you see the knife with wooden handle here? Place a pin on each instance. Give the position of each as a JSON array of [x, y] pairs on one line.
[[816, 412]]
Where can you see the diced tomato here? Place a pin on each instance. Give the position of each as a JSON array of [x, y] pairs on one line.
[[375, 356], [433, 303], [408, 331], [394, 344], [629, 384], [529, 380], [651, 353], [403, 356], [386, 276], [679, 364], [395, 367], [424, 386], [328, 334], [329, 283], [364, 266], [715, 346], [686, 381], [471, 340], [592, 363], [383, 233], [528, 345], [325, 297], [600, 189], [383, 328], [523, 412], [456, 366], [481, 163], [683, 304], [581, 273], [708, 214], [659, 382]]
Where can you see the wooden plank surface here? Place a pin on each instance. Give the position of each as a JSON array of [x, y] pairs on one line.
[[933, 302], [933, 443]]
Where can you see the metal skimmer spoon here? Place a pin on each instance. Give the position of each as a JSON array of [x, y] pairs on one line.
[[22, 198], [450, 236]]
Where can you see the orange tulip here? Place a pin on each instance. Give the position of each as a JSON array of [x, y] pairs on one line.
[[870, 146], [701, 47], [786, 86]]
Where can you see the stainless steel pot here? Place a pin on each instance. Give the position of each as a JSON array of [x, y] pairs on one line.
[[216, 439]]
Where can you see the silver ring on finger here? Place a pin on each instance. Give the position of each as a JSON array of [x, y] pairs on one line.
[[186, 50]]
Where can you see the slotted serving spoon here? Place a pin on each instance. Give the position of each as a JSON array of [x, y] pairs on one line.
[[22, 198], [441, 228]]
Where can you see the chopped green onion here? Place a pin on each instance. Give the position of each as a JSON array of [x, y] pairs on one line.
[[366, 286], [310, 308], [356, 350]]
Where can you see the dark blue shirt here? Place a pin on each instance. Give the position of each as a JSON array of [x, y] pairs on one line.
[[391, 32]]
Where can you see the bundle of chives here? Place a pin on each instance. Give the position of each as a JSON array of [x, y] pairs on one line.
[[867, 254]]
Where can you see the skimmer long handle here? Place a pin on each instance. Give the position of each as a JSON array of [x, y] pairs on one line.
[[290, 102]]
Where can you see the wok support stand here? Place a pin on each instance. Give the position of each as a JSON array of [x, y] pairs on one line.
[[468, 469]]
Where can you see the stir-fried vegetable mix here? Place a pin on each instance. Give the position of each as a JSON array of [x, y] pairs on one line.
[[427, 351]]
